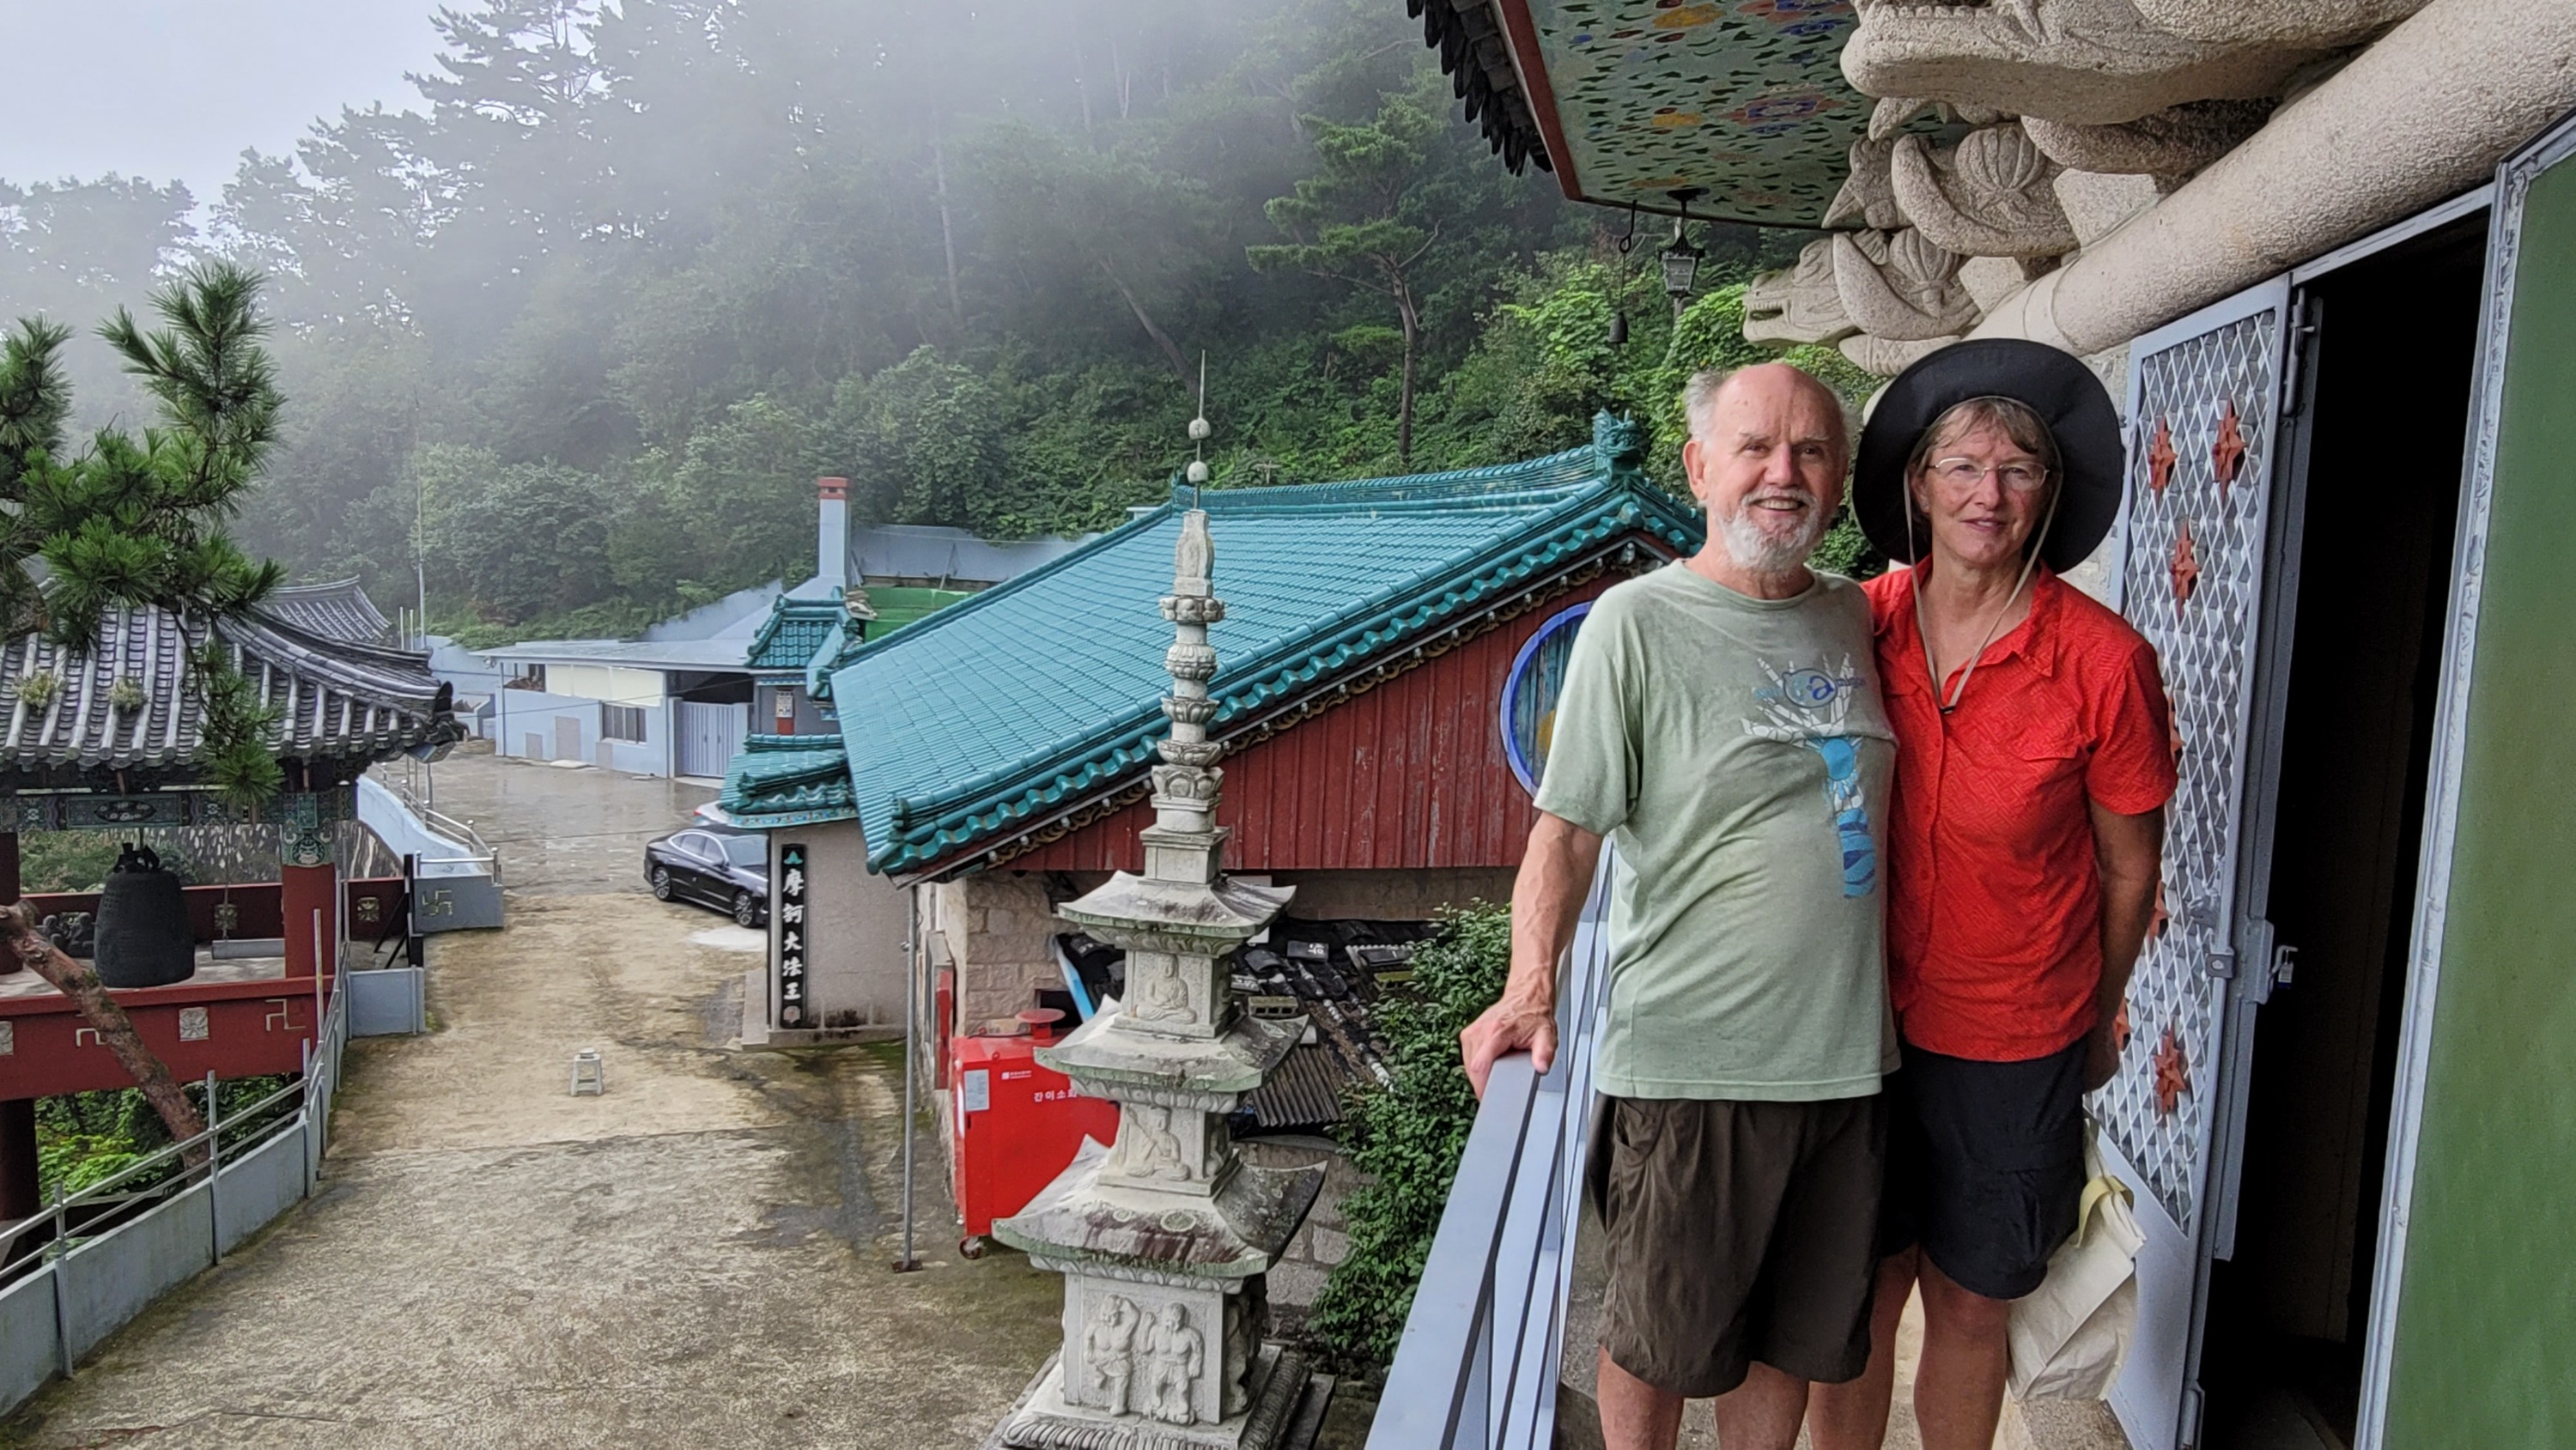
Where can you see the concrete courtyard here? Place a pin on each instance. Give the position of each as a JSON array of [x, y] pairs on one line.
[[698, 1258]]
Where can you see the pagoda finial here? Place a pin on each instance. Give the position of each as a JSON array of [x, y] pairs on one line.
[[1199, 431]]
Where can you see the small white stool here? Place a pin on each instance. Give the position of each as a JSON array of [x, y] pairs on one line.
[[589, 1074]]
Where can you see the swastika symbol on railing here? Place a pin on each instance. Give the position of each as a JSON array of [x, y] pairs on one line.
[[283, 1019]]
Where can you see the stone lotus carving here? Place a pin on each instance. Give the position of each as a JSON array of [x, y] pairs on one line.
[[2097, 62], [1900, 286], [1989, 196], [2174, 142], [1800, 303], [1868, 195]]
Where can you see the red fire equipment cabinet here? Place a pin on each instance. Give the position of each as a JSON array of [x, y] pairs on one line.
[[1016, 1124]]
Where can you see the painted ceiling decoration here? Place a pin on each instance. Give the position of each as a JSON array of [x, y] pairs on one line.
[[1958, 151], [1742, 100]]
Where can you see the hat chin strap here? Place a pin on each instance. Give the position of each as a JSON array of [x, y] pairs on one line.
[[1932, 666]]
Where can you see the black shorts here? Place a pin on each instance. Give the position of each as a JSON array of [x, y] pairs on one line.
[[1735, 1232], [1985, 1165]]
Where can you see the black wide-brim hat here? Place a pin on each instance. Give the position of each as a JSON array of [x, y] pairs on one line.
[[2055, 385]]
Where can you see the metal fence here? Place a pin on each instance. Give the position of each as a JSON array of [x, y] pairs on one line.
[[76, 1273], [1477, 1366]]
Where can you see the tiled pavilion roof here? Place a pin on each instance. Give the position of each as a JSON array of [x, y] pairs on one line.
[[339, 609], [338, 699], [1001, 711]]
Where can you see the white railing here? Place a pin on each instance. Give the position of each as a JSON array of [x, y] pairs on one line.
[[77, 1272], [1478, 1364]]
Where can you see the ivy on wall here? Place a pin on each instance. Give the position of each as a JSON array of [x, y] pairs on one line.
[[1408, 1136]]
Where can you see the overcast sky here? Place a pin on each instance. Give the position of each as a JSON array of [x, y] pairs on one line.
[[176, 88]]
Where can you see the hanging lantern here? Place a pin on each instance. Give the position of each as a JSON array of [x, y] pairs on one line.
[[1681, 257], [143, 936], [1619, 328]]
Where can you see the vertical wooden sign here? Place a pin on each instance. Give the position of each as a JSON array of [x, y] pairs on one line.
[[792, 1008]]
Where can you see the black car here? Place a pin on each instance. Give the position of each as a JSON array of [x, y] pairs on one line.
[[728, 870]]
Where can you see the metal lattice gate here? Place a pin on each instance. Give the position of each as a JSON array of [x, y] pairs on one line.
[[2204, 431]]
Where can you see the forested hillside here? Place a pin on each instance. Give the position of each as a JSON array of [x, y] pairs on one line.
[[590, 320]]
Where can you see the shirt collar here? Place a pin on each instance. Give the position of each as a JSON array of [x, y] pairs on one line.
[[2022, 641]]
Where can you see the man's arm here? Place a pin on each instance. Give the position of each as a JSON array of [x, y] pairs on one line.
[[1547, 901], [2130, 852]]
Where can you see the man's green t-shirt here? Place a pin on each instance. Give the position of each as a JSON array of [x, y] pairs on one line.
[[1737, 751]]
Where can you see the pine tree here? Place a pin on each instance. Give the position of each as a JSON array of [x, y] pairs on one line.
[[1360, 220], [138, 522]]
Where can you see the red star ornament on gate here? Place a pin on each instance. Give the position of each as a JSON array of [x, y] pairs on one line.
[[2185, 566], [2173, 1074], [2160, 459], [2227, 455], [2120, 1031]]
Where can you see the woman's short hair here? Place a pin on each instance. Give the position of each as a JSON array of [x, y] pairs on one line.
[[2016, 419]]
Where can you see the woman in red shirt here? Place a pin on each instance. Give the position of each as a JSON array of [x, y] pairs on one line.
[[2033, 764]]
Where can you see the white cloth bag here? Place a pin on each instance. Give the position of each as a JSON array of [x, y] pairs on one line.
[[2070, 1335]]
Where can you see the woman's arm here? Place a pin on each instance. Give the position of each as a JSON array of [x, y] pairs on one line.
[[2130, 852]]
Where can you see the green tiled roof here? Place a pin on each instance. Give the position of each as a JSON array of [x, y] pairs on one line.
[[788, 780], [795, 629], [1045, 690]]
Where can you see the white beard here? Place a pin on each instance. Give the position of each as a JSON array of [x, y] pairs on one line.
[[1756, 551]]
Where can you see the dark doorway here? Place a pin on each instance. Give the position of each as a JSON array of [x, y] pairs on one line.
[[2377, 467]]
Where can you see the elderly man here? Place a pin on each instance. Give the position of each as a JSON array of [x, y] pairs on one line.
[[1721, 717]]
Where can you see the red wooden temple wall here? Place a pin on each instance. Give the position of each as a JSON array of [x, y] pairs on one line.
[[1409, 775]]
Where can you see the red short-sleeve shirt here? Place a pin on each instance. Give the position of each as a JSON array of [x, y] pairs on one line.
[[1994, 910]]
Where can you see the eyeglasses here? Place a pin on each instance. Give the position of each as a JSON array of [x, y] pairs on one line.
[[1966, 473]]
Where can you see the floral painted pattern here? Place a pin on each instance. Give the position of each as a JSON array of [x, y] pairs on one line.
[[1744, 99]]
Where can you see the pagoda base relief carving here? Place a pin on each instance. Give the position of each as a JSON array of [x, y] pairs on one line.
[[1048, 1421]]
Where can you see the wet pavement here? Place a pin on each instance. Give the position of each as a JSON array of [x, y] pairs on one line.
[[699, 1257], [562, 830]]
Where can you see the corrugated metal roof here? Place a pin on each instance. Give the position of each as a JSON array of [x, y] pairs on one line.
[[1046, 690], [337, 699]]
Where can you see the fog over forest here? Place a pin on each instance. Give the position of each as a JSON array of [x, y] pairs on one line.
[[588, 320]]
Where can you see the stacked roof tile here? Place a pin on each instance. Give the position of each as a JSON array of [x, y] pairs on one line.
[[1031, 697], [126, 706]]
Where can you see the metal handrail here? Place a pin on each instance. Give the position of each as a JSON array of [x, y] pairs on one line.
[[315, 1088], [1477, 1366], [479, 852]]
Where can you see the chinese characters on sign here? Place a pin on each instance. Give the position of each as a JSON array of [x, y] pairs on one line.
[[791, 935]]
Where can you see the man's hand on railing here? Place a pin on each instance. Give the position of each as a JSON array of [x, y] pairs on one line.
[[1507, 1027]]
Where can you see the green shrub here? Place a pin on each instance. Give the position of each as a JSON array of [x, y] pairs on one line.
[[1408, 1135]]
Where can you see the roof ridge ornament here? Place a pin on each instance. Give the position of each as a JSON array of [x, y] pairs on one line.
[[1619, 440]]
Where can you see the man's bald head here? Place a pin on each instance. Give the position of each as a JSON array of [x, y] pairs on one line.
[[1774, 384], [1768, 449]]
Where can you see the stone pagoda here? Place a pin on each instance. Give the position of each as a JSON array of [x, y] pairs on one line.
[[1166, 1239]]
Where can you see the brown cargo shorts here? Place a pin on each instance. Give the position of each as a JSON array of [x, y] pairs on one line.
[[1735, 1232]]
